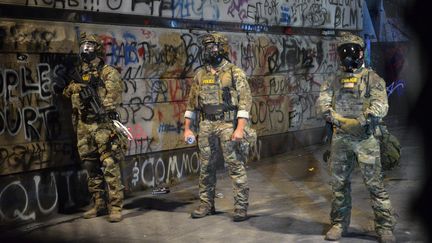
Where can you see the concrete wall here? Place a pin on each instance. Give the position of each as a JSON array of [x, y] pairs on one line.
[[287, 53]]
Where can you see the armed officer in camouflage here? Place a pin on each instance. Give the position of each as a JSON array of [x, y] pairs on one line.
[[346, 103], [96, 92], [221, 94]]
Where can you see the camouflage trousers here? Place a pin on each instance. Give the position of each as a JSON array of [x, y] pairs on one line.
[[345, 151], [101, 150], [212, 134]]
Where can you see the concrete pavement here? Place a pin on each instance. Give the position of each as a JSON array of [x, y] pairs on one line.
[[289, 202]]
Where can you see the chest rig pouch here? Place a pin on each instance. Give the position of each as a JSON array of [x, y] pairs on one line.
[[210, 95], [90, 100], [349, 99], [218, 98]]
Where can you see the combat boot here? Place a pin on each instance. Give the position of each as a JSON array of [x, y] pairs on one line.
[[203, 210], [115, 216], [240, 215], [335, 232], [94, 212], [386, 236], [98, 209]]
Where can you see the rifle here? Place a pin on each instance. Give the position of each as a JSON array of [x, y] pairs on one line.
[[371, 123], [89, 95]]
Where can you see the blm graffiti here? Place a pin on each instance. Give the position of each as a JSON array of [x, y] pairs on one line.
[[335, 14], [157, 67], [284, 72]]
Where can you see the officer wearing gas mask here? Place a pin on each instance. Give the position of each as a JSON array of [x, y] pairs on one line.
[[95, 91], [348, 102], [220, 94]]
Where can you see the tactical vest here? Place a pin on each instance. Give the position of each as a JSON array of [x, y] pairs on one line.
[[91, 77], [351, 102], [217, 92]]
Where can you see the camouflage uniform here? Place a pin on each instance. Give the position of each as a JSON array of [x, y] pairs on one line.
[[346, 149], [100, 146], [205, 95]]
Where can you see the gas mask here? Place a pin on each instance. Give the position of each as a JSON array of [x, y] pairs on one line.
[[351, 56], [87, 51], [212, 54]]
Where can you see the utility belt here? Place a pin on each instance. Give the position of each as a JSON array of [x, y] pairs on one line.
[[216, 113], [213, 117]]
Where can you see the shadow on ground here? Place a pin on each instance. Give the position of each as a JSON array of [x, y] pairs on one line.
[[155, 203], [291, 225]]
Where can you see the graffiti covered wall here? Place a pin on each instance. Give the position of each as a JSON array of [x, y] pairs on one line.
[[33, 126], [157, 65], [332, 14], [37, 195]]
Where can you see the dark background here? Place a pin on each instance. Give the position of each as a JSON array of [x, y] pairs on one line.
[[416, 17]]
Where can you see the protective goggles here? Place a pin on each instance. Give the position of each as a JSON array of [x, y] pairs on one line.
[[349, 50], [211, 47], [87, 47]]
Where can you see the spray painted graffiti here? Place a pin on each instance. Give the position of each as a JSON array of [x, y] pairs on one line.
[[150, 171], [319, 13], [157, 80], [28, 197], [28, 103], [162, 174], [157, 67], [398, 86], [35, 130]]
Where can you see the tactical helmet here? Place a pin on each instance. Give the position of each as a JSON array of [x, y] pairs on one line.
[[350, 50], [221, 50], [348, 37], [94, 39]]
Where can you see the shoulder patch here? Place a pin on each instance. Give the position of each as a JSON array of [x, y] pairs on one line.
[[377, 81], [380, 86]]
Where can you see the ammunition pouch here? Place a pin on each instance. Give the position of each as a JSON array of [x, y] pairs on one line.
[[228, 116], [212, 113], [212, 109], [213, 117], [229, 103]]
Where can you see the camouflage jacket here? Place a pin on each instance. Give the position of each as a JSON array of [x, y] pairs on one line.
[[353, 103], [109, 92], [207, 87]]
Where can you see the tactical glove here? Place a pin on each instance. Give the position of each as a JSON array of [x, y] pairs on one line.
[[86, 94], [350, 125]]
